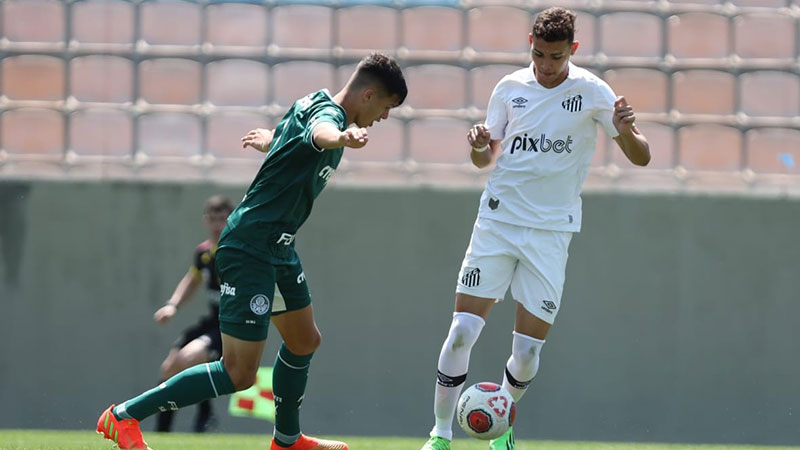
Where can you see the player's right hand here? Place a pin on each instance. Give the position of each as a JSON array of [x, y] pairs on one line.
[[478, 136], [355, 137], [164, 313], [259, 139]]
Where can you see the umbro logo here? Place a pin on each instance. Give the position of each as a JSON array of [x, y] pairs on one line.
[[548, 306], [519, 102], [573, 103]]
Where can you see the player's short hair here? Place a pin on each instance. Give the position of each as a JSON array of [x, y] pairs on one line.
[[555, 24], [383, 71], [218, 204]]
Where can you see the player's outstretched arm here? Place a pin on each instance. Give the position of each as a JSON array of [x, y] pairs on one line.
[[480, 140], [327, 136], [630, 139], [184, 291], [259, 139]]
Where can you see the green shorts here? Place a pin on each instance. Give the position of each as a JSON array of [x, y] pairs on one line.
[[248, 293]]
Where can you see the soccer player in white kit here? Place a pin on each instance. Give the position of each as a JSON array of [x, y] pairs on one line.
[[540, 131]]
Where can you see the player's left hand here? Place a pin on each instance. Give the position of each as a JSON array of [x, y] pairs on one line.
[[164, 314], [623, 115], [259, 139]]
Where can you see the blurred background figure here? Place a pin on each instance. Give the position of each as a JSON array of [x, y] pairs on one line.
[[200, 342]]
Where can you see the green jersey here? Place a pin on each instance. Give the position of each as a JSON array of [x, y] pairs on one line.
[[293, 174]]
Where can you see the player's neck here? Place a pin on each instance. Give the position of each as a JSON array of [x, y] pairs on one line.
[[553, 84], [343, 98]]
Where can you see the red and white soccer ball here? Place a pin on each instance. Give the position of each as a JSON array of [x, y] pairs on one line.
[[486, 411]]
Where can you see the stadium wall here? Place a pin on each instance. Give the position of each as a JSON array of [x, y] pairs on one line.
[[678, 319]]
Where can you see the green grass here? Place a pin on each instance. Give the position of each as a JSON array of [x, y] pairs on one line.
[[81, 440]]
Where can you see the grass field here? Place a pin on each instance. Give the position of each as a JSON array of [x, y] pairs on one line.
[[80, 440]]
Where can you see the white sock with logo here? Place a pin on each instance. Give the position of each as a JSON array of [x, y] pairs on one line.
[[522, 365], [452, 370]]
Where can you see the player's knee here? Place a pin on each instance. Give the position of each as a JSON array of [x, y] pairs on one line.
[[526, 358], [525, 355], [464, 332], [167, 369], [243, 381], [525, 365], [189, 357], [242, 377], [315, 342], [306, 345]]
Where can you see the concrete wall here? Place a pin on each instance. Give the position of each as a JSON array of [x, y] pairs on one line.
[[678, 319]]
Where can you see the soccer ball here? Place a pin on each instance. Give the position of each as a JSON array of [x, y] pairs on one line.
[[486, 411]]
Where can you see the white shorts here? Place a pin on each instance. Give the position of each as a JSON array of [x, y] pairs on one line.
[[532, 261]]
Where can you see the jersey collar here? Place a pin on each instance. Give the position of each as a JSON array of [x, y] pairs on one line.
[[530, 77]]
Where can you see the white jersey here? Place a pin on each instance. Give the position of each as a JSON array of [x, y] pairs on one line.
[[548, 139]]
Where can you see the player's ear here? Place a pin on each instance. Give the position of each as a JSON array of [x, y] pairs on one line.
[[368, 94], [574, 47]]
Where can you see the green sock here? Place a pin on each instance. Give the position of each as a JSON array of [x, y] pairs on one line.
[[289, 378], [191, 386]]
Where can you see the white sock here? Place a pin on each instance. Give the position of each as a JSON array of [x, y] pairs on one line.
[[522, 365], [452, 370]]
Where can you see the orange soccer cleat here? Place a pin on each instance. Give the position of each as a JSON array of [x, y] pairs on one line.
[[125, 433], [310, 443]]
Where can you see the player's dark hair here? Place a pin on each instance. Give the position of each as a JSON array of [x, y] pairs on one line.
[[555, 24], [218, 204], [379, 69]]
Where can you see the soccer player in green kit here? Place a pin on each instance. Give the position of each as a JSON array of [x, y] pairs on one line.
[[256, 253]]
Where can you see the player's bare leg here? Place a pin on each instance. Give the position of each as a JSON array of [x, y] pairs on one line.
[[241, 359], [191, 354], [529, 335], [530, 325], [478, 306], [301, 338], [299, 330]]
